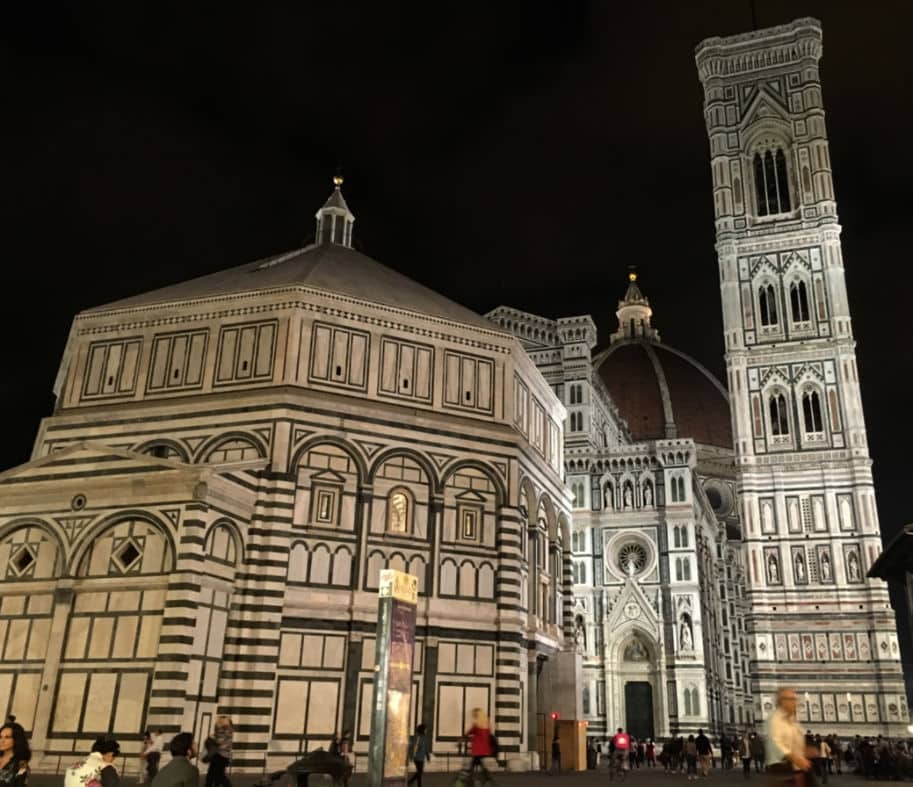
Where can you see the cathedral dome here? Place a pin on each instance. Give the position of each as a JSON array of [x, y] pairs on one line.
[[661, 392]]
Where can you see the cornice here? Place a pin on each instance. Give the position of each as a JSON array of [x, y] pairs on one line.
[[229, 306]]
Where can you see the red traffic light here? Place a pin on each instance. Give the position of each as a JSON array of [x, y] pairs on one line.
[[554, 715]]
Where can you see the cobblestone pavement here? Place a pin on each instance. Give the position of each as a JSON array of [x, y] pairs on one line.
[[643, 777]]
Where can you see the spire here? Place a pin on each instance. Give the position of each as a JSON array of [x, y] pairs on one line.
[[634, 314], [334, 219]]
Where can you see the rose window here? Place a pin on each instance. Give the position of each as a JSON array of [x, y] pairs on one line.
[[632, 558]]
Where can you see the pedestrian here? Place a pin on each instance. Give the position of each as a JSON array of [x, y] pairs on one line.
[[180, 772], [785, 741], [97, 767], [651, 754], [419, 754], [219, 753], [691, 758], [621, 746], [152, 752], [726, 752], [480, 744], [745, 754], [757, 752], [704, 752], [345, 748], [556, 753], [822, 758], [15, 755]]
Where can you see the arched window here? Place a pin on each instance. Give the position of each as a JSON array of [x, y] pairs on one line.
[[767, 303], [686, 569], [771, 184], [586, 701], [399, 511], [695, 702], [687, 702], [684, 535], [673, 488], [798, 301], [678, 569], [811, 412], [677, 536], [779, 417], [582, 579]]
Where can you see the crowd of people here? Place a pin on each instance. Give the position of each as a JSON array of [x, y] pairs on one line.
[[783, 749], [99, 767]]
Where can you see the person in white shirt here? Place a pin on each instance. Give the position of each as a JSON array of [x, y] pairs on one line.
[[152, 753], [785, 740]]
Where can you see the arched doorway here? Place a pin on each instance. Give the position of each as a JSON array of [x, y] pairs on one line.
[[637, 685]]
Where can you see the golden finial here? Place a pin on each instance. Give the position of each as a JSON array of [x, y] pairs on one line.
[[632, 276], [337, 180]]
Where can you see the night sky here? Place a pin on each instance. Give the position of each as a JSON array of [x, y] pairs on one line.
[[520, 154]]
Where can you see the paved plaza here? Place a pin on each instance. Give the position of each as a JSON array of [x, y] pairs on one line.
[[598, 778]]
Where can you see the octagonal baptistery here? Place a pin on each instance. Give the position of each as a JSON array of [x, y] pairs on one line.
[[231, 463]]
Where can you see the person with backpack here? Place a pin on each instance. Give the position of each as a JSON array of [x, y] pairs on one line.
[[482, 744], [418, 749]]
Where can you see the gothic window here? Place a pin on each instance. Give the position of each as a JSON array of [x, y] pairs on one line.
[[678, 569], [399, 512], [686, 570], [687, 702], [771, 184], [674, 489], [798, 301], [679, 484], [586, 701], [695, 702], [684, 535], [767, 303], [579, 498], [676, 536], [582, 573], [811, 412], [779, 417]]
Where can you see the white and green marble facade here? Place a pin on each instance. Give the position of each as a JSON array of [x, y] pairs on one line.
[[203, 522]]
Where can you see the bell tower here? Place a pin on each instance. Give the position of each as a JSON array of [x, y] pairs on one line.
[[810, 525]]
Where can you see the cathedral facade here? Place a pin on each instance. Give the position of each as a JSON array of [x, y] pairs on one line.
[[603, 531]]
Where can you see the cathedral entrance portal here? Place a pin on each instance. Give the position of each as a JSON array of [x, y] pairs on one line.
[[639, 709]]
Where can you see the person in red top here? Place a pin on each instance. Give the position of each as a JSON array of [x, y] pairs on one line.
[[479, 737], [622, 742]]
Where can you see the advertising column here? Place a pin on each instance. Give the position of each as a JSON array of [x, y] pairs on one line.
[[392, 697]]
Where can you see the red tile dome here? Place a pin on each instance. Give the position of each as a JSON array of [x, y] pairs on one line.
[[664, 393]]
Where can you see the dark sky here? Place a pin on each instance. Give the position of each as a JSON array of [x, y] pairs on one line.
[[523, 154]]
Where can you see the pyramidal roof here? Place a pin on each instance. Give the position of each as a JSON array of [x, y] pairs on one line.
[[326, 265]]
